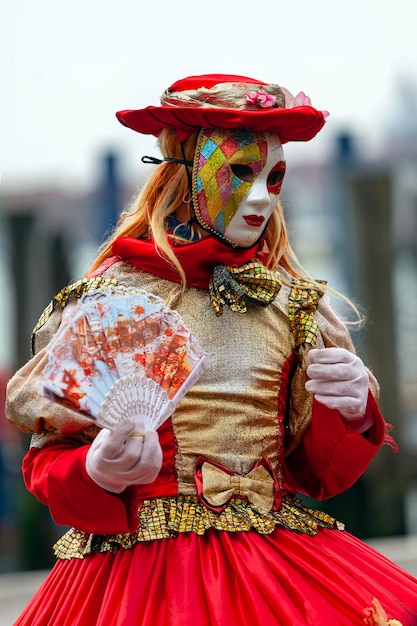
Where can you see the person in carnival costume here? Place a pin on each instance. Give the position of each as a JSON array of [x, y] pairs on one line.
[[197, 522]]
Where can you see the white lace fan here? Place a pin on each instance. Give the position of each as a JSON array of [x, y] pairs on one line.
[[123, 354]]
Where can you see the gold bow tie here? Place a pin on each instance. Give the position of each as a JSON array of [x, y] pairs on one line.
[[231, 286], [219, 486]]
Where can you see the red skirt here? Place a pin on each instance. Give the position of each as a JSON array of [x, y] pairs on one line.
[[226, 579]]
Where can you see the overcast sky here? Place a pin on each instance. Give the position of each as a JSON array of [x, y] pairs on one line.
[[67, 67]]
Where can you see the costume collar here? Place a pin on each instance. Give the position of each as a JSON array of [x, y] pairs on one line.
[[198, 258]]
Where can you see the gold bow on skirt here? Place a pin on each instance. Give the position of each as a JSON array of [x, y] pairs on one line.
[[219, 486]]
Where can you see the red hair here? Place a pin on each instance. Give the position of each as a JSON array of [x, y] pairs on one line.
[[164, 194]]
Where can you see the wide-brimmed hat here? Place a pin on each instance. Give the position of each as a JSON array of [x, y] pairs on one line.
[[228, 101]]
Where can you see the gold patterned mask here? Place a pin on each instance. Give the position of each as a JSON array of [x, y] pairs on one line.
[[227, 164]]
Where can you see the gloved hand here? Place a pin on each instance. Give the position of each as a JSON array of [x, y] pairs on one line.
[[339, 380], [117, 458]]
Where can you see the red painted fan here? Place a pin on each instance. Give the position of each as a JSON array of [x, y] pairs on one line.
[[123, 354]]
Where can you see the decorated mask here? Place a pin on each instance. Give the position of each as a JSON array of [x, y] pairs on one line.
[[237, 177]]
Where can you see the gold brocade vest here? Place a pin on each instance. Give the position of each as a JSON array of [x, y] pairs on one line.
[[231, 414]]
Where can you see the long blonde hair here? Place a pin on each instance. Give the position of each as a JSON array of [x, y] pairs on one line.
[[164, 194]]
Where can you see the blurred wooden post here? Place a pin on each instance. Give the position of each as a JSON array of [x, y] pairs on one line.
[[370, 195], [20, 228], [108, 199]]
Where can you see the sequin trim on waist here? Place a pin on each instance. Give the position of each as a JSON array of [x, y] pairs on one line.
[[164, 518]]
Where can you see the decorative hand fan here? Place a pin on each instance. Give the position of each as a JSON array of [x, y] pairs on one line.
[[123, 354]]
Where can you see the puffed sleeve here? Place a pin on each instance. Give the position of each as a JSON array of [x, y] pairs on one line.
[[331, 456], [27, 408], [54, 467], [57, 477]]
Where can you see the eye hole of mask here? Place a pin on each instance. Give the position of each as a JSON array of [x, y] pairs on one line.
[[275, 178], [243, 172]]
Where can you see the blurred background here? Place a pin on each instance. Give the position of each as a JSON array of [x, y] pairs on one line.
[[68, 167]]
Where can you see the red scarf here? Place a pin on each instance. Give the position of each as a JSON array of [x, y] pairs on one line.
[[198, 258]]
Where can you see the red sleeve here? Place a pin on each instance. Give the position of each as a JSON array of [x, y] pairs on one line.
[[57, 477], [331, 456]]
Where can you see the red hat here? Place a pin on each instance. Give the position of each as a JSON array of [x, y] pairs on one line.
[[228, 101]]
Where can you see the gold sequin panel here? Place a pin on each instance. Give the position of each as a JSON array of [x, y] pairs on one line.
[[165, 518]]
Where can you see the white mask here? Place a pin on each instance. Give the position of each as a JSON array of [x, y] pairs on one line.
[[237, 179], [251, 218]]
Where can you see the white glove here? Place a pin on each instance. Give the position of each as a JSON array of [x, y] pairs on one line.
[[117, 458], [339, 380]]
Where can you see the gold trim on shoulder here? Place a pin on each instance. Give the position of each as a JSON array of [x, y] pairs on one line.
[[165, 518], [302, 305], [74, 290]]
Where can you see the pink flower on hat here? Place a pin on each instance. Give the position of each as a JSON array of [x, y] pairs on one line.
[[300, 100], [261, 98]]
